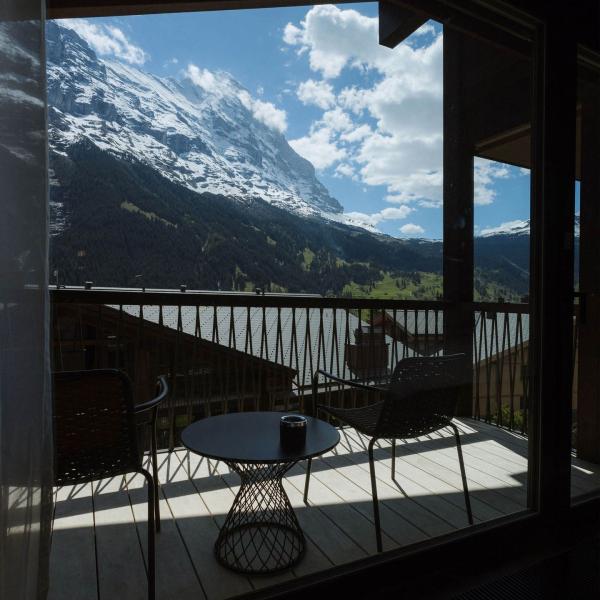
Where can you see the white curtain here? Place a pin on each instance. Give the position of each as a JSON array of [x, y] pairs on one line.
[[25, 401]]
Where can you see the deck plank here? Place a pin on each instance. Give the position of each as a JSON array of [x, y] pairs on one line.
[[335, 545], [73, 550], [198, 530], [483, 486], [585, 476], [429, 488], [399, 530], [106, 530], [341, 511], [431, 516], [175, 574], [218, 488], [340, 518], [314, 559], [503, 475], [121, 569]]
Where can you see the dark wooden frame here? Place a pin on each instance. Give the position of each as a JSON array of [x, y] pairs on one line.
[[550, 524]]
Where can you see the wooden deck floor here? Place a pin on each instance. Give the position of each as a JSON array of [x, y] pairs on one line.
[[99, 533]]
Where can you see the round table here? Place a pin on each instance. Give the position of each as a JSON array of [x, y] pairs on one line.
[[261, 533]]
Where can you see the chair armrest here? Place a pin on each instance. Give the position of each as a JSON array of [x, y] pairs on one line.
[[351, 383], [163, 390]]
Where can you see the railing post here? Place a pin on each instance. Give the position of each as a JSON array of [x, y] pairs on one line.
[[458, 216]]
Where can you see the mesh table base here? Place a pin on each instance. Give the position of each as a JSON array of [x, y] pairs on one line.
[[261, 533]]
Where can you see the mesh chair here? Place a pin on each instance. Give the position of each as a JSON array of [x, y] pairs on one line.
[[420, 398], [95, 436]]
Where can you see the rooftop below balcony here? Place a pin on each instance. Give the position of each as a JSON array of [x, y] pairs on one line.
[[99, 529]]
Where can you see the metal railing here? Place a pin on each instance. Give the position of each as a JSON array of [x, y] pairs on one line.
[[230, 351], [500, 365]]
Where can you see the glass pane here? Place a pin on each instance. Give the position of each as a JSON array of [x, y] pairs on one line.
[[284, 218]]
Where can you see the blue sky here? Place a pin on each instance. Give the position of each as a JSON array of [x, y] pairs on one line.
[[368, 118]]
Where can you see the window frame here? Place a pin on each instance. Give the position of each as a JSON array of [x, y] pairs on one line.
[[554, 40]]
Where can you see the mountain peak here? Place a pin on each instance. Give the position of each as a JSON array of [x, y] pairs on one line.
[[518, 227], [203, 130]]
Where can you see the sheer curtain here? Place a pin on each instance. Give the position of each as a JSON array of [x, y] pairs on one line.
[[25, 401]]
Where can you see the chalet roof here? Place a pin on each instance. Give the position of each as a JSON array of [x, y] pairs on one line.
[[323, 343], [282, 336], [267, 333]]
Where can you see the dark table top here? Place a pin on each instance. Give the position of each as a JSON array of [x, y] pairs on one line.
[[253, 437]]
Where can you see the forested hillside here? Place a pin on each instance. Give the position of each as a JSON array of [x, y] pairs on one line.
[[119, 219]]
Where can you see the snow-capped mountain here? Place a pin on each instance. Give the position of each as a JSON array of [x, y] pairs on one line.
[[519, 227], [206, 134]]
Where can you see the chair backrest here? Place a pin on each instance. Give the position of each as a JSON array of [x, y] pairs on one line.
[[422, 395], [94, 426]]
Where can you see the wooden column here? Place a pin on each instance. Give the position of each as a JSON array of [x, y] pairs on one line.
[[458, 215], [588, 380], [551, 321]]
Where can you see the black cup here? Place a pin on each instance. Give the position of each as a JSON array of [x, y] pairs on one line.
[[292, 432]]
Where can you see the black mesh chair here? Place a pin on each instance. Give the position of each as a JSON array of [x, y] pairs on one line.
[[420, 398], [96, 436]]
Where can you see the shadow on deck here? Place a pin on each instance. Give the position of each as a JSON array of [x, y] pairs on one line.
[[99, 533]]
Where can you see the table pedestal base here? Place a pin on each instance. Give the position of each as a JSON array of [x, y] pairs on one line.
[[261, 533]]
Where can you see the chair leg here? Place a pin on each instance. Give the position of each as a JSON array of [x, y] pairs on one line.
[[307, 481], [394, 459], [462, 473], [151, 537], [374, 491], [155, 477]]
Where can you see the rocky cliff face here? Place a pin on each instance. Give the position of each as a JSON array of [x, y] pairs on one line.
[[204, 135]]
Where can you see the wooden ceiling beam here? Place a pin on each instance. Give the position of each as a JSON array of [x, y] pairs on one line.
[[474, 19], [63, 9], [397, 22]]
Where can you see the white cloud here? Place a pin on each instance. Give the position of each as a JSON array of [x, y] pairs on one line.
[[270, 115], [331, 37], [387, 214], [345, 170], [322, 145], [425, 29], [404, 150], [412, 229], [356, 134], [486, 172], [337, 120], [410, 169], [401, 145], [353, 99], [319, 93], [319, 148], [265, 112], [107, 40], [292, 35], [201, 77]]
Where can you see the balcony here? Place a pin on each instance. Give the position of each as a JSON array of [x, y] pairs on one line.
[[236, 352]]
